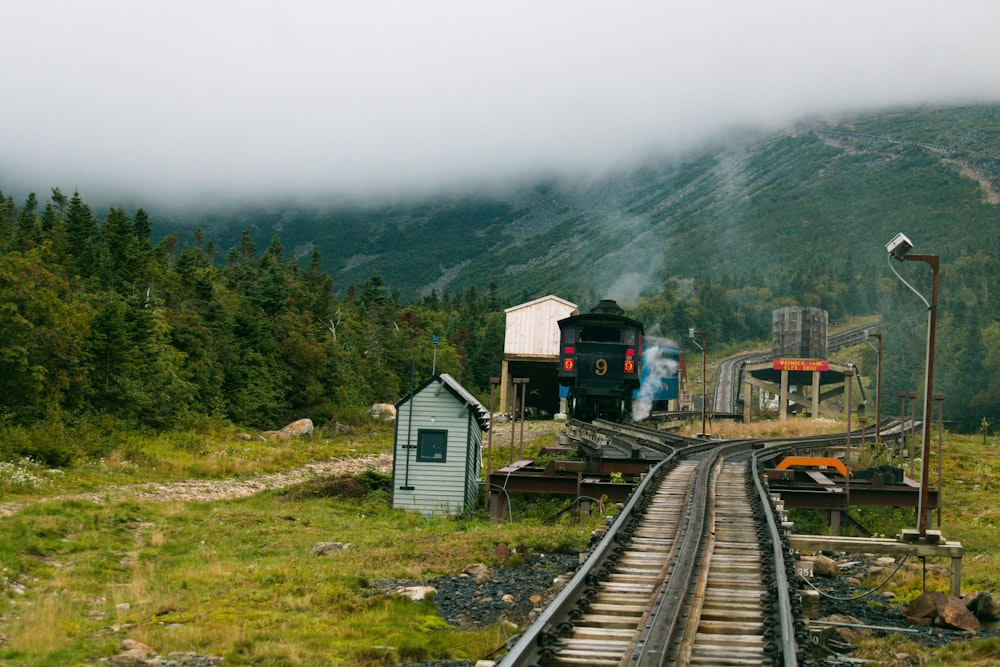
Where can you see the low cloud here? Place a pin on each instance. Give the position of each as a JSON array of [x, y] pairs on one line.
[[171, 102]]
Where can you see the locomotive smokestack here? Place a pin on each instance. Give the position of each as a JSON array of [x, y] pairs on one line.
[[608, 307]]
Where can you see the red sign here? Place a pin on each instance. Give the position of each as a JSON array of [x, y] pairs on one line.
[[567, 364], [801, 365], [629, 366]]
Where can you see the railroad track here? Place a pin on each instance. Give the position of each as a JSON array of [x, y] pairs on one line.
[[677, 579], [730, 626]]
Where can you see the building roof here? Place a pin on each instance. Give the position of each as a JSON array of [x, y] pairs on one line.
[[550, 297], [481, 414]]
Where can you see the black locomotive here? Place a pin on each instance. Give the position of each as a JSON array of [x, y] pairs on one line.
[[600, 355]]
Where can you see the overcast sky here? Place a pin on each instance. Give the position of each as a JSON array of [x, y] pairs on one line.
[[171, 99]]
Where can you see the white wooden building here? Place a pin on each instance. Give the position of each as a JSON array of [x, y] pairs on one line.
[[437, 457], [531, 351]]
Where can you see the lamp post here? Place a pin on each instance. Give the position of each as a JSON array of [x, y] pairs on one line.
[[899, 249], [878, 385], [940, 399], [704, 351], [434, 341]]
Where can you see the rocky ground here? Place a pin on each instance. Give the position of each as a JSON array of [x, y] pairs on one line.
[[857, 612]]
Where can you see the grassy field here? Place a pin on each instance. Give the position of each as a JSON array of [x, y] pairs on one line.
[[91, 565]]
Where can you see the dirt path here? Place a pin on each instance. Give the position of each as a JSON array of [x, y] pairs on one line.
[[223, 489], [217, 489]]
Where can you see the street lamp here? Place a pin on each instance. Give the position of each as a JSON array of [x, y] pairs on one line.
[[878, 384], [704, 351], [899, 249]]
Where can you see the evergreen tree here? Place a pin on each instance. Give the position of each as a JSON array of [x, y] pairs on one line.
[[28, 225], [82, 236], [8, 214]]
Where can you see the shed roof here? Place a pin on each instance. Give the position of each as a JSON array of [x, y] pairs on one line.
[[550, 297], [481, 414]]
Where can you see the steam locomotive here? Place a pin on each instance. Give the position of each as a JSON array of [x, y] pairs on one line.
[[612, 371]]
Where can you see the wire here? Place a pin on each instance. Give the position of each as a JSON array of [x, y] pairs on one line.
[[912, 289], [855, 597]]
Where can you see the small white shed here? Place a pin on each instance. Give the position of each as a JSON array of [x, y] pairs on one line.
[[437, 457], [531, 351]]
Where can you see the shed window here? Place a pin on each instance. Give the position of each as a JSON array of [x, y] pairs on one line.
[[432, 445]]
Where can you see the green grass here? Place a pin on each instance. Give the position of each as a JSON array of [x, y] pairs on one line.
[[238, 578]]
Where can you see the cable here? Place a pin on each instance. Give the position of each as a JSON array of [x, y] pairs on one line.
[[912, 288], [855, 597]]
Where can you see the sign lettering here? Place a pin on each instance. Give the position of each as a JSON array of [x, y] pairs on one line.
[[801, 365]]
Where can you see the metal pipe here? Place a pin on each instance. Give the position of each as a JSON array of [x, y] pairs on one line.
[[901, 253], [848, 374], [912, 395], [524, 394], [878, 387], [704, 352]]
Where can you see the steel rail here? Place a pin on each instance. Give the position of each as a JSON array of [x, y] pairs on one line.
[[527, 650]]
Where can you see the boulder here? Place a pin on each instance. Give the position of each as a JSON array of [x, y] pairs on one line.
[[386, 411], [983, 606], [299, 428], [825, 567], [327, 548], [942, 610]]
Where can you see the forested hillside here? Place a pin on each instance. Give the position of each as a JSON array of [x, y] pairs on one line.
[[261, 315], [98, 321]]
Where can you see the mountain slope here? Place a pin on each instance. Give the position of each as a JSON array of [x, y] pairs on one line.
[[822, 193]]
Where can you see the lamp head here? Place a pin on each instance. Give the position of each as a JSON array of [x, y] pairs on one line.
[[691, 332], [899, 246]]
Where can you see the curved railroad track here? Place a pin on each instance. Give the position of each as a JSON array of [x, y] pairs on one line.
[[730, 371]]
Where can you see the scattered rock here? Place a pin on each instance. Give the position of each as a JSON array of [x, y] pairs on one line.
[[386, 411], [297, 429], [300, 428], [983, 606], [479, 573], [416, 593], [943, 610], [824, 566], [327, 548], [137, 646], [843, 630]]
